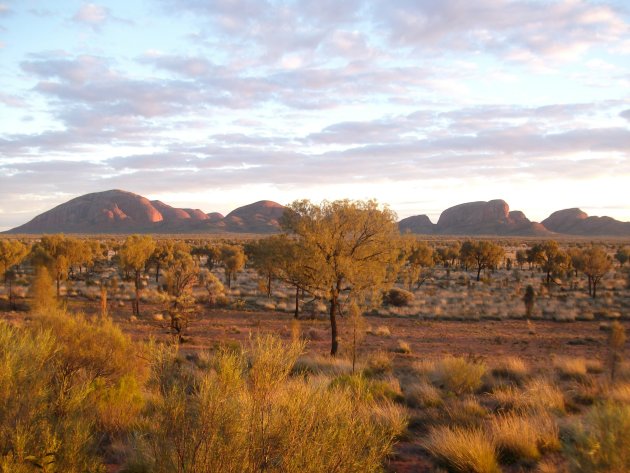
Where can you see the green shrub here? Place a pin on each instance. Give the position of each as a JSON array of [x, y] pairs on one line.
[[600, 442], [398, 297], [66, 385]]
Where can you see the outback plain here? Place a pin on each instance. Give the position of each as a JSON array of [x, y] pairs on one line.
[[453, 362]]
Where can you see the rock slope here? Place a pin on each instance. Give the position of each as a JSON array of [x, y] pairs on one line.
[[117, 211]]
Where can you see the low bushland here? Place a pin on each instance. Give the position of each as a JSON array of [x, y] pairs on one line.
[[77, 394]]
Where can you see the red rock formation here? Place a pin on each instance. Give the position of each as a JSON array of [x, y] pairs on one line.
[[576, 222]]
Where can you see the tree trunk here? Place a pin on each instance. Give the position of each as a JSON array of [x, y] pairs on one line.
[[334, 300], [157, 273], [297, 302], [11, 301], [137, 301], [478, 272], [58, 288], [269, 286], [594, 288]]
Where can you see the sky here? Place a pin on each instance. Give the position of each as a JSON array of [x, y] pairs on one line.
[[420, 104]]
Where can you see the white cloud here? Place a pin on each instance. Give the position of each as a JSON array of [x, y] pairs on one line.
[[91, 14]]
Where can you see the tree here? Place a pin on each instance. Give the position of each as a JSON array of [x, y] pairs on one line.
[[42, 291], [551, 259], [134, 255], [161, 256], [466, 251], [264, 256], [623, 255], [529, 298], [481, 254], [232, 259], [596, 263], [52, 251], [576, 258], [521, 258], [353, 248], [181, 275], [294, 268], [419, 264], [447, 255], [12, 252], [213, 286]]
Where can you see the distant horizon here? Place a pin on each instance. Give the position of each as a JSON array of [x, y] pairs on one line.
[[433, 217], [421, 105]]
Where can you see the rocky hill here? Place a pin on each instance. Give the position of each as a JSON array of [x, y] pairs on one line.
[[486, 218], [576, 222], [117, 211], [475, 218], [420, 224]]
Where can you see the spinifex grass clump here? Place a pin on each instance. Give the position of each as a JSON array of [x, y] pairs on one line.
[[463, 450], [247, 414]]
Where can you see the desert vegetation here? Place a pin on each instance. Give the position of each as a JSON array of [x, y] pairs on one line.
[[339, 345]]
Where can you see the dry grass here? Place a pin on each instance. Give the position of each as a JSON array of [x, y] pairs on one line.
[[403, 347], [378, 363], [458, 375], [511, 368], [382, 331], [463, 450], [464, 412], [571, 368], [537, 395], [320, 364], [620, 392], [523, 437], [423, 394], [542, 395]]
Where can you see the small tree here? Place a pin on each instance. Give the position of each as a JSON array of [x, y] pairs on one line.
[[53, 251], [622, 255], [353, 248], [212, 284], [529, 298], [180, 277], [264, 256], [294, 268], [418, 265], [481, 254], [521, 258], [596, 263], [232, 260], [134, 255], [551, 259], [12, 252], [42, 291]]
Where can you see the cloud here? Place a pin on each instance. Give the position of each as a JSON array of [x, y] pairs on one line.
[[562, 29], [91, 14]]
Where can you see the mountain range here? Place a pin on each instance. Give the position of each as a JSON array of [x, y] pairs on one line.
[[120, 212]]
